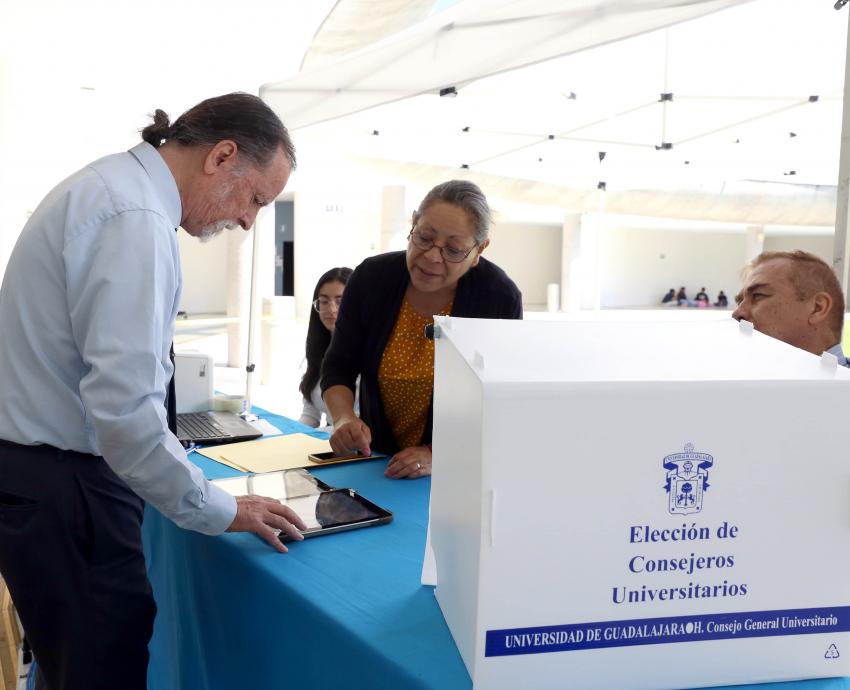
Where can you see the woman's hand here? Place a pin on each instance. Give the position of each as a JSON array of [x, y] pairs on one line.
[[350, 434], [410, 463]]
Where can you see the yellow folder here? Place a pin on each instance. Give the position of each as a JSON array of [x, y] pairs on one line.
[[270, 455]]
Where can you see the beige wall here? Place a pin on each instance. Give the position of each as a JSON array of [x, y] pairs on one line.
[[530, 253], [204, 273], [639, 265], [819, 245]]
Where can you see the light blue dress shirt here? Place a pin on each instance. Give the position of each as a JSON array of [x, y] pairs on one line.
[[87, 308]]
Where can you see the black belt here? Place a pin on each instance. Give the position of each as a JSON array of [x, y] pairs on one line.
[[11, 444], [46, 448]]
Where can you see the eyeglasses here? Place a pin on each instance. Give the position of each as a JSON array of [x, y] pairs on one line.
[[325, 304], [453, 255]]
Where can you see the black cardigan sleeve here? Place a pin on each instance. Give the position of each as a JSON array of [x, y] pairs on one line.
[[515, 311], [369, 309]]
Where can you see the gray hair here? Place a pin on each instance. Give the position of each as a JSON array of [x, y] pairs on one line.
[[242, 117], [465, 195]]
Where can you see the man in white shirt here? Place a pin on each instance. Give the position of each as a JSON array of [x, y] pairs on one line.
[[794, 297], [87, 308]]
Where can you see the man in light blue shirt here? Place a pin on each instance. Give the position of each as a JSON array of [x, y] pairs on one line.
[[87, 309], [796, 298]]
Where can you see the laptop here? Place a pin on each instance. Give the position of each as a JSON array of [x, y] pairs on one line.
[[196, 423]]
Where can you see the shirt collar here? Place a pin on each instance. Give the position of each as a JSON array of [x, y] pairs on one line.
[[160, 174], [838, 352]]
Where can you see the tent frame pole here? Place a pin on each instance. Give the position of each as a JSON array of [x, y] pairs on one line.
[[841, 248]]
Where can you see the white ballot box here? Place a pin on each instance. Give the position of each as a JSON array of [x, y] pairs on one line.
[[639, 505]]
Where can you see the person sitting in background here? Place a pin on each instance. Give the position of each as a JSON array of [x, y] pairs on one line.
[[682, 297], [722, 300], [702, 299], [380, 332], [327, 297], [669, 297], [796, 298]]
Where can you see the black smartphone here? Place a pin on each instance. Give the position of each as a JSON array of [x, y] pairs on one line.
[[330, 456]]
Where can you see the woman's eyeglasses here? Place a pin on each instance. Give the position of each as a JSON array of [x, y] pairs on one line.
[[326, 304], [453, 255]]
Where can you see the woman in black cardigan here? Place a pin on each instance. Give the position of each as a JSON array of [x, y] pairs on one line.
[[380, 328]]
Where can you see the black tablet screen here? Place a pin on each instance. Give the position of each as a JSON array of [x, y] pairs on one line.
[[332, 509]]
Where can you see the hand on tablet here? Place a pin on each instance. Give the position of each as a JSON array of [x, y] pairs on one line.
[[410, 463], [263, 516], [351, 434]]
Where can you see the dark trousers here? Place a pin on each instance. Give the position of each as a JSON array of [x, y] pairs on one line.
[[71, 555]]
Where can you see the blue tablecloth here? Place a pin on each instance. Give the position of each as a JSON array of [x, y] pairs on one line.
[[341, 611]]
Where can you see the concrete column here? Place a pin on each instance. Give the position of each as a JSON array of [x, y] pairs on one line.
[[263, 265], [280, 350], [580, 275], [591, 229], [754, 243], [571, 263], [243, 268], [238, 278], [395, 223]]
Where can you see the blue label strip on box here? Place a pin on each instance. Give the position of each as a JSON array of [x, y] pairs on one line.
[[700, 628]]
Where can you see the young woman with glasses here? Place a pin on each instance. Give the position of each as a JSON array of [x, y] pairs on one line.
[[327, 297], [380, 333]]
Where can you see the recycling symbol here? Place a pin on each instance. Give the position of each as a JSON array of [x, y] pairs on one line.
[[832, 652]]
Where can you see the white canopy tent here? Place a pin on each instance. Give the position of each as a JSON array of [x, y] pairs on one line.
[[728, 110], [754, 93], [469, 41]]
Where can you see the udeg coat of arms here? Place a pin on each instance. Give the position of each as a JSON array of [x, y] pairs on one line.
[[687, 480]]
